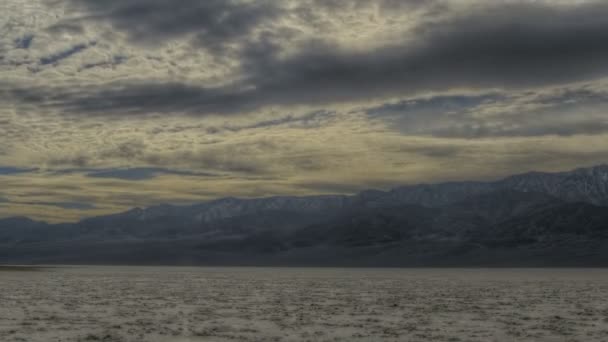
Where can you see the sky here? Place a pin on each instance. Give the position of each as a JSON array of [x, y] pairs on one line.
[[109, 105]]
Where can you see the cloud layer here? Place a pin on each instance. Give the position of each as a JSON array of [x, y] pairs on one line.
[[503, 46], [137, 102]]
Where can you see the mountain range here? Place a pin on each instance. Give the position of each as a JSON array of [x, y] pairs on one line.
[[532, 219]]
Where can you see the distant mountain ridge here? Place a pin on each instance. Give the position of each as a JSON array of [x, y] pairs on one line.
[[529, 219], [584, 185], [588, 185]]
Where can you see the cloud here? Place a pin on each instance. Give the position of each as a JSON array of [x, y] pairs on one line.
[[111, 62], [308, 120], [24, 42], [67, 205], [143, 173], [57, 57], [9, 170], [327, 187], [446, 152], [231, 159], [62, 205], [431, 115], [78, 161], [497, 45], [568, 111], [213, 24], [129, 150], [123, 103], [136, 99]]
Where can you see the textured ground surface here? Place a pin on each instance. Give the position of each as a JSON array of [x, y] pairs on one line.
[[257, 304]]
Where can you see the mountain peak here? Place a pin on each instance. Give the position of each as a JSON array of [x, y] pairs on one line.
[[533, 210], [595, 170]]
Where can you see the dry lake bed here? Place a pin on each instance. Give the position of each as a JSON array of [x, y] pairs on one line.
[[302, 304]]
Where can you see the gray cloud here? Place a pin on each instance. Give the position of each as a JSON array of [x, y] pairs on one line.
[[328, 187], [138, 99], [109, 63], [78, 161], [252, 158], [439, 151], [501, 45], [9, 170], [508, 46], [312, 119], [382, 87], [57, 57], [213, 24], [24, 42], [234, 163], [63, 205], [564, 113], [129, 150], [73, 205], [142, 173]]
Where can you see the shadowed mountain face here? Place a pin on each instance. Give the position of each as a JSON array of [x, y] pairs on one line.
[[534, 219]]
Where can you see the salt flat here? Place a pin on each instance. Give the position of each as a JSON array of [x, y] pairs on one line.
[[303, 304]]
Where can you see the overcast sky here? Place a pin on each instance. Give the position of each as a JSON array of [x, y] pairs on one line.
[[107, 105]]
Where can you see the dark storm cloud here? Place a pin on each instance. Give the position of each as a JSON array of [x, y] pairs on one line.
[[213, 23], [509, 46]]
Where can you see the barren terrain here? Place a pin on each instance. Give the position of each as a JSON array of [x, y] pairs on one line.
[[302, 304]]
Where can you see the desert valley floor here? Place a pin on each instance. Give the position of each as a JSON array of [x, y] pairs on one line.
[[160, 304]]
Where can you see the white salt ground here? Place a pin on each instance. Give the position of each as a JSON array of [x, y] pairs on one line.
[[165, 304]]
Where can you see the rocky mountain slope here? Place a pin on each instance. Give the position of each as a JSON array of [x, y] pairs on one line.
[[529, 219]]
